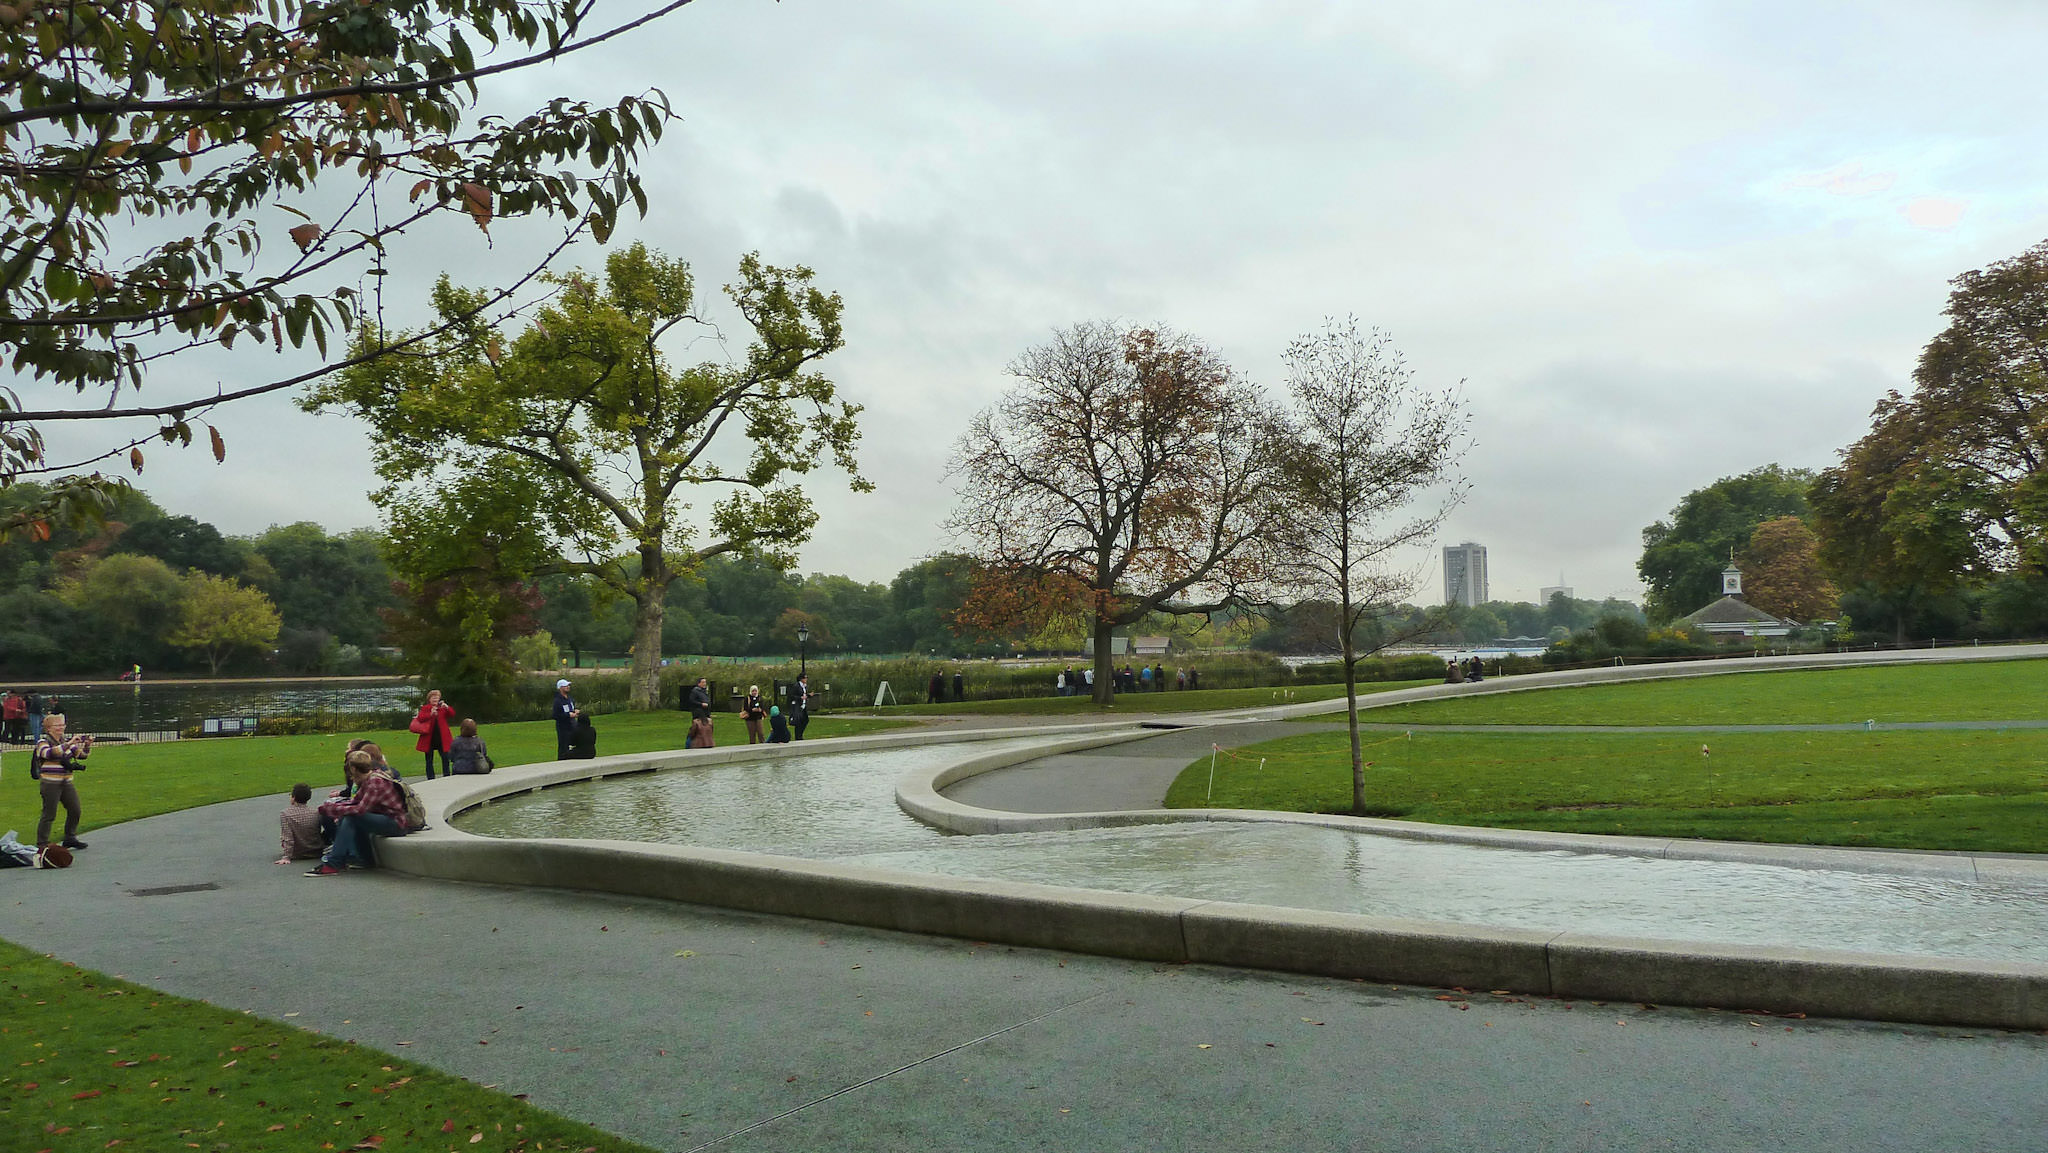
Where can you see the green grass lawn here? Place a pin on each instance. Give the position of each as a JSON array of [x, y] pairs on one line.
[[125, 781], [97, 1063], [1987, 691], [1171, 701], [1983, 791]]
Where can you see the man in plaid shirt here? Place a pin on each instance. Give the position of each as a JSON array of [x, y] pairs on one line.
[[376, 809]]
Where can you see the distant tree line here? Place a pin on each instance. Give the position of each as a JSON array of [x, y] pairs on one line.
[[1311, 626]]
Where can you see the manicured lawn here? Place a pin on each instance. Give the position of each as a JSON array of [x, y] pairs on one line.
[[97, 1063], [1984, 791], [129, 781], [1988, 691], [1171, 701]]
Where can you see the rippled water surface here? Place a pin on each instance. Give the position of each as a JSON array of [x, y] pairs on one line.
[[841, 806]]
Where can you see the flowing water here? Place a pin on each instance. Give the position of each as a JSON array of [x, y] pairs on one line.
[[841, 807]]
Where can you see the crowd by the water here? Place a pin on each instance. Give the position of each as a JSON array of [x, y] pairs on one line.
[[373, 800]]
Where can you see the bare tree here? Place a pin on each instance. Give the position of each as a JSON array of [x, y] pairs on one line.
[[1370, 443], [1129, 472]]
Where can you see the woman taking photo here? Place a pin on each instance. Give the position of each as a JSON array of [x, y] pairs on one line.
[[432, 726], [54, 761]]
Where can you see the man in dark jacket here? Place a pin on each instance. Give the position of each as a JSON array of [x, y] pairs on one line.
[[800, 705], [700, 699], [565, 712]]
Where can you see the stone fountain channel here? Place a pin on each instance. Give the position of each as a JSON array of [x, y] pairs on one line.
[[846, 807]]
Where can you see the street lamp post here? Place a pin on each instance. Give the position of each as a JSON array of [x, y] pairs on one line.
[[803, 640]]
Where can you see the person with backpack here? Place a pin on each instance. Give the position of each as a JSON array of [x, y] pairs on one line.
[[377, 807]]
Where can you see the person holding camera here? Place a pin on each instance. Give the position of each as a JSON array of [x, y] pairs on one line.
[[55, 759]]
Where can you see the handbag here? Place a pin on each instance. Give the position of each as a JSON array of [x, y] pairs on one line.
[[420, 726], [489, 764]]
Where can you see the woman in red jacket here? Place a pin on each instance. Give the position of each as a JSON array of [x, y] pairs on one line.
[[432, 726]]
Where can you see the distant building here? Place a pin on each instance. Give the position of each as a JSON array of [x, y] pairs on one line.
[[1544, 594], [1731, 616], [1465, 575]]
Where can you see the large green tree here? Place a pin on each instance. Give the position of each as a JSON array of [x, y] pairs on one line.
[[1782, 572], [1950, 485], [464, 551], [1683, 557], [621, 442], [221, 615], [180, 176]]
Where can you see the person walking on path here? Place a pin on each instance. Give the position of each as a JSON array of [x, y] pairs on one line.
[[469, 755], [35, 715], [565, 712], [754, 711], [432, 724], [800, 705], [53, 763]]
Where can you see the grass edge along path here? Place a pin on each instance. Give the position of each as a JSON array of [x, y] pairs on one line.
[[1960, 691], [1966, 791], [1142, 703], [126, 782], [99, 1063]]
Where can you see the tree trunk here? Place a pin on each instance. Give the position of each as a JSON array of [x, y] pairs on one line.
[[1105, 678], [647, 650], [1350, 651]]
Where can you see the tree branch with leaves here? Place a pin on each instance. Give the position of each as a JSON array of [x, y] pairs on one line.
[[144, 147]]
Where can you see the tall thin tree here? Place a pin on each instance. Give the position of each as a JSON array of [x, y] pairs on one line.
[[1372, 447]]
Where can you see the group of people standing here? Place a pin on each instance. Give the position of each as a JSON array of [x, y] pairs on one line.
[[1153, 679], [783, 727], [22, 713]]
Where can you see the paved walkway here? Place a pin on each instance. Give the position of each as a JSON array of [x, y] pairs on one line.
[[774, 1034]]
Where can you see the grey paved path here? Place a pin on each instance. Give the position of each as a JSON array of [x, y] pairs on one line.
[[1113, 779], [775, 1034]]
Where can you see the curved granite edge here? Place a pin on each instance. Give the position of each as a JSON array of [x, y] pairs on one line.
[[922, 796], [2012, 995], [1180, 930], [1669, 670]]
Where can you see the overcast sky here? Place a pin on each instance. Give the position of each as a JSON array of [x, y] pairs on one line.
[[1659, 243]]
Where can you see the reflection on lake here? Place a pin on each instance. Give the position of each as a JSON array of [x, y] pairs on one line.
[[841, 807]]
